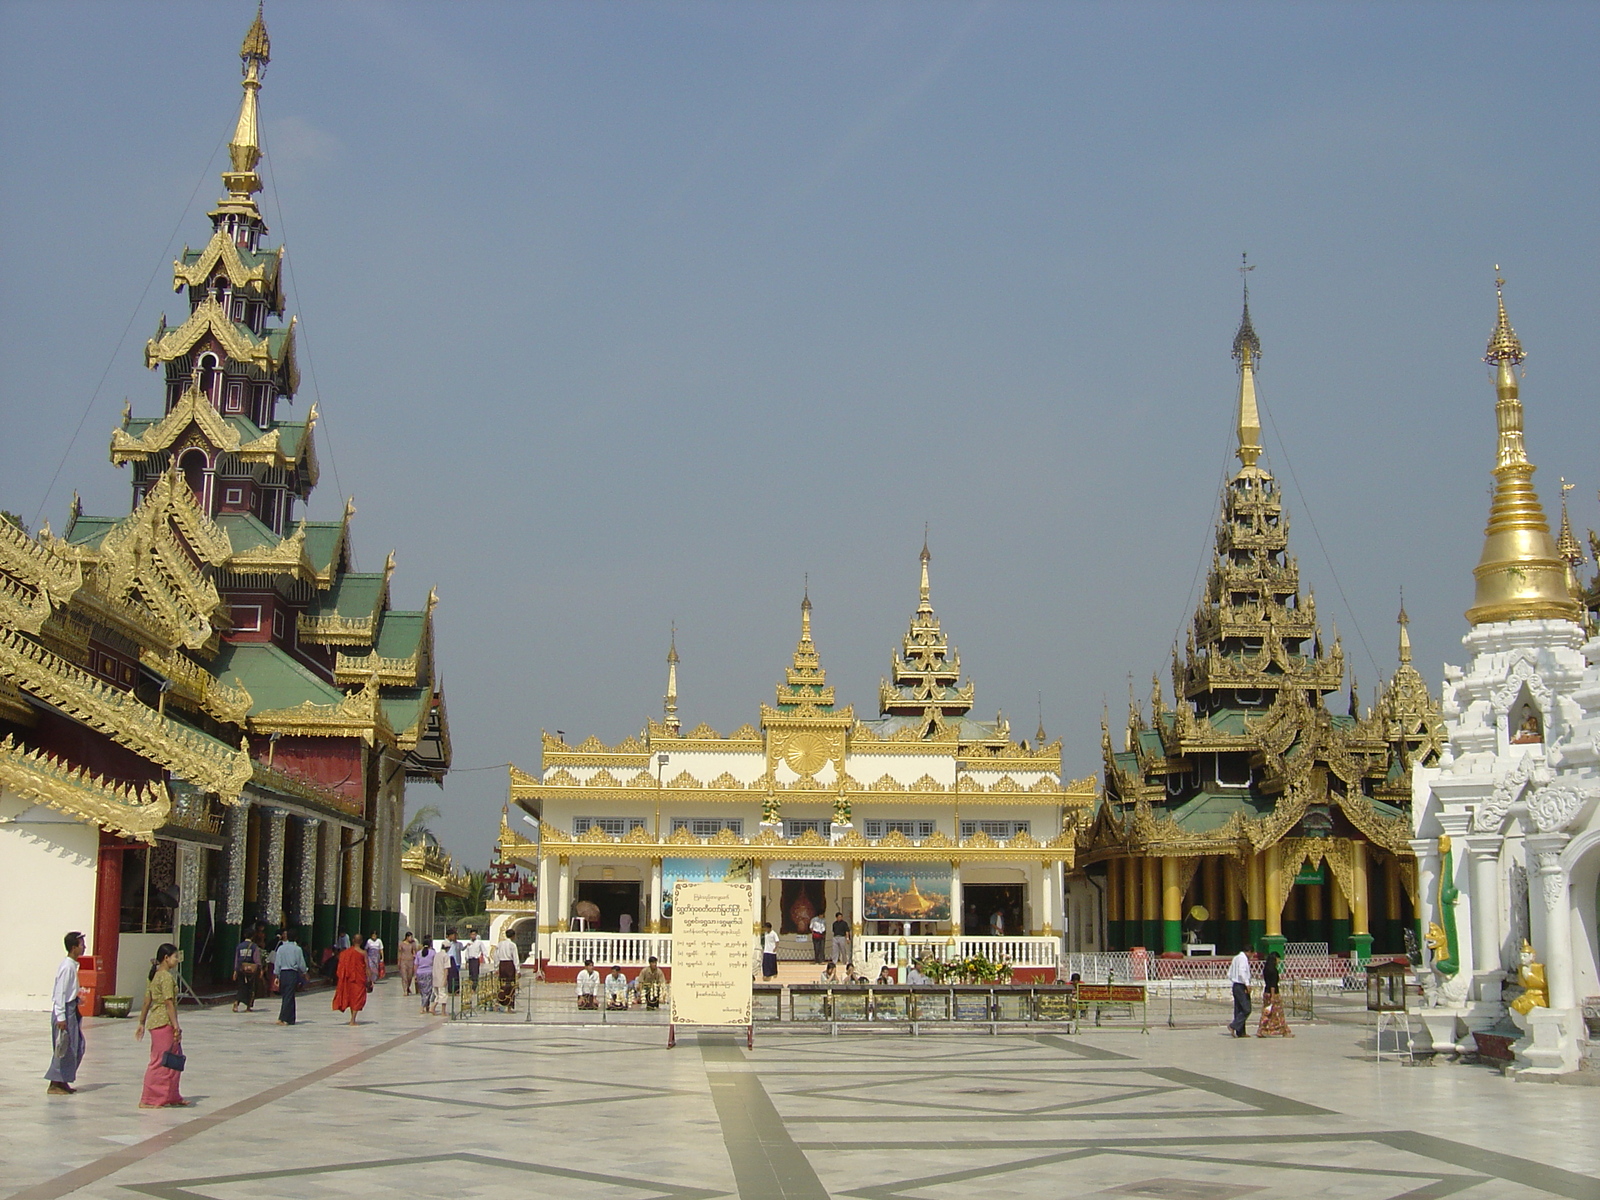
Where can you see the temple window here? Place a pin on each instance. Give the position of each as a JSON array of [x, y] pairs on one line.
[[193, 466], [883, 827], [209, 376], [709, 826], [795, 827], [1233, 770], [994, 829], [235, 397], [237, 312], [612, 826]]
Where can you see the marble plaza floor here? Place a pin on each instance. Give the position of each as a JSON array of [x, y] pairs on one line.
[[404, 1106]]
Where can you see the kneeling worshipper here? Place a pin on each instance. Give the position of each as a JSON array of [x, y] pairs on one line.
[[616, 989], [66, 1031], [350, 992], [651, 983], [588, 985]]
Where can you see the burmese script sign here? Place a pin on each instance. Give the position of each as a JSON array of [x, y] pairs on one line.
[[711, 953]]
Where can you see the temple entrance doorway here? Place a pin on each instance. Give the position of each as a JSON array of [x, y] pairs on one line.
[[614, 898], [990, 908], [802, 899]]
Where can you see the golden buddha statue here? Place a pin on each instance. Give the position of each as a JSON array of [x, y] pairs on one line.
[[1531, 976]]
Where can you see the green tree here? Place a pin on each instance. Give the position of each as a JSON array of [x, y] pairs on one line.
[[474, 905], [416, 831]]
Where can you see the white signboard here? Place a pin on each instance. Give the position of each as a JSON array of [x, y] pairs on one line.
[[711, 953], [805, 870]]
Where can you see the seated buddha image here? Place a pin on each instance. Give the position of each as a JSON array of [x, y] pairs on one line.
[[1527, 731]]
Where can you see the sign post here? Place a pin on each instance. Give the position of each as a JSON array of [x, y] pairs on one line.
[[711, 951]]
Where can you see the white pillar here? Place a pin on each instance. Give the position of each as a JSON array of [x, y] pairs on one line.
[[758, 890], [564, 896], [858, 897], [1547, 885], [270, 887], [1427, 852], [957, 904], [1484, 850], [653, 920]]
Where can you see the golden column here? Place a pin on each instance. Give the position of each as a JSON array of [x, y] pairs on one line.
[[1272, 887], [1114, 904], [1256, 900], [1132, 914], [1171, 906], [1151, 938], [1360, 921]]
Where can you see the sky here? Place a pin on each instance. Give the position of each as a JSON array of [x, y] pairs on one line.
[[621, 315]]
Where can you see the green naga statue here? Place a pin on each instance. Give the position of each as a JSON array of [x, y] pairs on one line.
[[1442, 933]]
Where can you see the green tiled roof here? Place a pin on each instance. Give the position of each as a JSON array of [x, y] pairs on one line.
[[1206, 811], [404, 707], [273, 679], [1150, 742], [353, 594], [400, 635], [322, 538], [87, 531], [245, 532]]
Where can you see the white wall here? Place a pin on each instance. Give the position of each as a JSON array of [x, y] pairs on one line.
[[133, 963], [47, 882]]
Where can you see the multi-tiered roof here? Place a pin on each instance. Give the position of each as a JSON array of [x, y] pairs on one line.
[[1250, 754]]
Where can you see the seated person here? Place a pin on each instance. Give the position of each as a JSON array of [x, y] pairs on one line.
[[616, 989], [588, 985], [886, 977], [650, 983], [914, 975], [830, 974]]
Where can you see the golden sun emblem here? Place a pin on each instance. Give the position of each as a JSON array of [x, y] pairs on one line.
[[805, 753]]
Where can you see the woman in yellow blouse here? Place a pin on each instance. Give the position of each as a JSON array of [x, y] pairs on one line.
[[160, 1016]]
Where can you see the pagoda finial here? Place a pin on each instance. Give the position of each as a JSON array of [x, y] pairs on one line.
[[925, 605], [670, 704], [1520, 575], [244, 151], [1405, 629], [1038, 737], [1246, 350]]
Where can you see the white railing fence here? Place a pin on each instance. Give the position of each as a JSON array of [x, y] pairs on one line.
[[610, 949], [1018, 951]]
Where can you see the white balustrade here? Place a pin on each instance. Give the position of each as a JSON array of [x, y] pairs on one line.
[[610, 949], [1018, 951]]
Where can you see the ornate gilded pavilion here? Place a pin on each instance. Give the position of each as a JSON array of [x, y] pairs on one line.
[[824, 810], [260, 703], [1248, 796]]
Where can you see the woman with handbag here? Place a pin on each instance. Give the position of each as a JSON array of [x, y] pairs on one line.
[[160, 1016]]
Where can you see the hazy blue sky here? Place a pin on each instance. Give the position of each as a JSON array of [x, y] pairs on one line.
[[620, 314]]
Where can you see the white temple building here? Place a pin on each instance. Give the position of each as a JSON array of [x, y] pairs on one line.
[[1507, 826]]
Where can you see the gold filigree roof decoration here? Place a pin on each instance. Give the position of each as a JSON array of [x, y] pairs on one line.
[[926, 673], [1520, 574], [359, 714], [221, 253], [236, 341], [195, 687], [1246, 350], [121, 716], [195, 410], [52, 571], [127, 810], [303, 789], [1412, 721], [244, 149]]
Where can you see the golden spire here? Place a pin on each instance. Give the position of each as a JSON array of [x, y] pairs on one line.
[[670, 705], [244, 151], [1567, 544], [1405, 631], [1520, 577], [925, 605], [1246, 349]]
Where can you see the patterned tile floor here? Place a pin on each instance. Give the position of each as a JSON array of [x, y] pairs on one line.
[[405, 1106]]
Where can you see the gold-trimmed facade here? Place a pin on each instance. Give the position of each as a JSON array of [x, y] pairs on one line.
[[811, 787]]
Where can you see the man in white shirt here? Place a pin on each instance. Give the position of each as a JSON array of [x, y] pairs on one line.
[[1239, 976], [616, 989], [769, 952], [588, 985], [819, 934], [66, 1034], [474, 953], [506, 958]]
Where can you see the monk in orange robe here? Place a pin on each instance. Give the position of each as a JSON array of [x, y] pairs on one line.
[[350, 991]]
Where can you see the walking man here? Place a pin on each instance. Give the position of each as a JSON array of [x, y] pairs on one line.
[[247, 961], [290, 964], [819, 932], [841, 938], [506, 959], [1239, 976], [66, 1033]]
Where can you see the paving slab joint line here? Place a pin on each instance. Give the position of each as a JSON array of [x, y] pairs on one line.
[[80, 1177]]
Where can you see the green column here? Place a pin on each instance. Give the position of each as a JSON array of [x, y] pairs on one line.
[[1361, 943]]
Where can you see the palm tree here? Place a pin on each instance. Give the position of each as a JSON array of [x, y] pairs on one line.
[[416, 831]]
